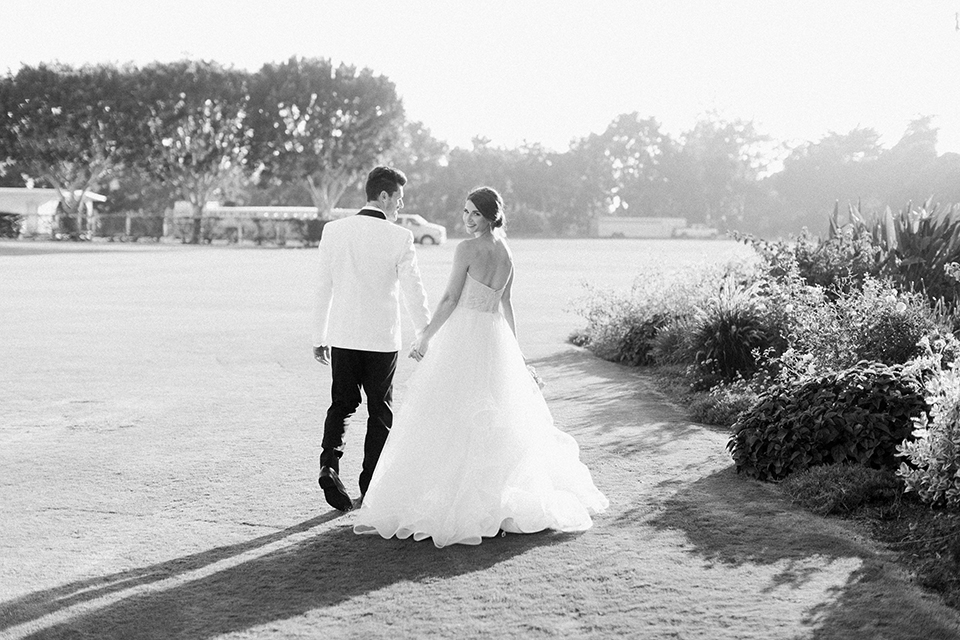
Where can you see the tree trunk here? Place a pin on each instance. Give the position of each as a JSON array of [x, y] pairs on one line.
[[197, 196], [197, 223], [326, 192], [321, 200], [70, 204]]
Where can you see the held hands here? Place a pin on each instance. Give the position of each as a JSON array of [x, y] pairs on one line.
[[419, 349]]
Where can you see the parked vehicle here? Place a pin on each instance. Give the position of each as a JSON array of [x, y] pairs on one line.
[[423, 232], [696, 231]]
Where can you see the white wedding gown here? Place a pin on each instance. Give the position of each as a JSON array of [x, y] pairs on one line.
[[473, 448]]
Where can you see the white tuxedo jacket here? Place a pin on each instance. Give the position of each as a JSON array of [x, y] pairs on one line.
[[364, 263]]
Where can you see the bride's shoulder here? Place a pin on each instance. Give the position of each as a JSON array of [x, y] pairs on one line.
[[504, 249], [468, 245]]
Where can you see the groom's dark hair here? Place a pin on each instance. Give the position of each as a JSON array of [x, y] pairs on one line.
[[384, 179]]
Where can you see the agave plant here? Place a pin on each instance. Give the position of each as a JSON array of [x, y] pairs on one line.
[[915, 245]]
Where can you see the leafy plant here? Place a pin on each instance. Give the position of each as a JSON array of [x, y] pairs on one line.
[[10, 224], [835, 264], [932, 465], [913, 246], [637, 341], [858, 415], [874, 322], [673, 343], [722, 405], [623, 326], [732, 327]]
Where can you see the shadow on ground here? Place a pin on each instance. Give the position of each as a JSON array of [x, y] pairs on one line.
[[26, 249], [315, 573], [733, 520], [619, 404], [41, 603]]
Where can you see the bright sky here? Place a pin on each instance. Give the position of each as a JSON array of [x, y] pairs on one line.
[[550, 71]]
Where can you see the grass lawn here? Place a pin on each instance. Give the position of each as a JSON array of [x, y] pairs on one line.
[[158, 441]]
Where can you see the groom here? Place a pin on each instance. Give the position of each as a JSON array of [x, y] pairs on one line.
[[365, 260]]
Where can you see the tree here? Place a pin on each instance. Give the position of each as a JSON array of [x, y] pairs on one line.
[[66, 126], [320, 124], [12, 174], [466, 169], [943, 177], [638, 159], [422, 158], [838, 167], [905, 170], [721, 164], [560, 193], [194, 130]]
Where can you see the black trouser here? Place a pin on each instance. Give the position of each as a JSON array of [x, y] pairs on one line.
[[352, 370]]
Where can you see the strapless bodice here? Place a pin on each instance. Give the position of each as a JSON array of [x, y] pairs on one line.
[[479, 297]]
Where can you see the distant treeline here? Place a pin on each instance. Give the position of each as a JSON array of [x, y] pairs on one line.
[[304, 132]]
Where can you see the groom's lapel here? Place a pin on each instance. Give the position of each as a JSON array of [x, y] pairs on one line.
[[373, 213]]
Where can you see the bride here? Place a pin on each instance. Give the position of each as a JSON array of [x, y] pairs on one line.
[[473, 449]]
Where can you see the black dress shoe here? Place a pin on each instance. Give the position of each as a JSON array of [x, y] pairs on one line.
[[333, 490]]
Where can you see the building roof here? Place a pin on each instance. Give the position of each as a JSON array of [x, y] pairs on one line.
[[23, 193]]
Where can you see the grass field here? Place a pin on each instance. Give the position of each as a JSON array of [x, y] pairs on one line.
[[158, 442]]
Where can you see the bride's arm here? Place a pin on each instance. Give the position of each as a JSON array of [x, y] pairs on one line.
[[507, 303], [447, 303]]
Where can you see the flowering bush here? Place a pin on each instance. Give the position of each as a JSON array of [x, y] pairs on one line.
[[835, 264], [623, 327], [874, 322], [838, 263], [932, 465]]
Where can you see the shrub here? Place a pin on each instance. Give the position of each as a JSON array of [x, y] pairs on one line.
[[579, 338], [10, 224], [723, 405], [623, 326], [839, 263], [313, 231], [841, 488], [636, 342], [932, 465], [875, 322], [858, 415], [673, 344], [731, 328], [912, 247], [845, 259]]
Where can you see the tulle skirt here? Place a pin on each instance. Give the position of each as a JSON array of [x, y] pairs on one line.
[[473, 449]]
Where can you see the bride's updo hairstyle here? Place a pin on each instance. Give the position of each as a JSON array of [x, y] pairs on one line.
[[490, 205]]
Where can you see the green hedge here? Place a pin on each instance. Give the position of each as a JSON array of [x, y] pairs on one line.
[[858, 415]]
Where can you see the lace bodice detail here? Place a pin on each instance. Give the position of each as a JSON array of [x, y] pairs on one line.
[[479, 297]]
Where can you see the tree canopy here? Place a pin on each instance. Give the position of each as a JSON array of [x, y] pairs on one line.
[[66, 126], [307, 131], [320, 124]]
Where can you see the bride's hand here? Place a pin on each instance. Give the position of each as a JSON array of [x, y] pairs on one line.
[[419, 349]]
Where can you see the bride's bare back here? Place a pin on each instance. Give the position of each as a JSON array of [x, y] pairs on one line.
[[489, 261]]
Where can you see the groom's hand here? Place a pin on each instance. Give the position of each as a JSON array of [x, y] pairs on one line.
[[322, 354]]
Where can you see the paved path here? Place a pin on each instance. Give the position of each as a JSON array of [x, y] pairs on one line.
[[158, 440]]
